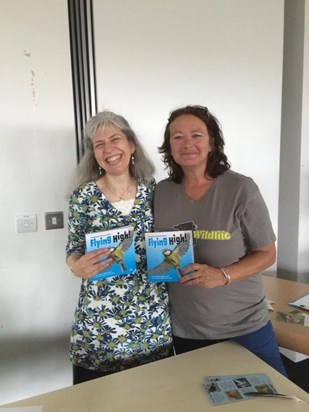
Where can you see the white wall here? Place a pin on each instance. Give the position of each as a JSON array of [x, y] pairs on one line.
[[37, 157], [304, 186], [153, 56]]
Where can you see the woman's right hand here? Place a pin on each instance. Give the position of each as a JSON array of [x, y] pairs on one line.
[[88, 265]]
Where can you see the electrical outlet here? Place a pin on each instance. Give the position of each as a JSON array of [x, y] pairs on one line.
[[53, 220], [26, 223]]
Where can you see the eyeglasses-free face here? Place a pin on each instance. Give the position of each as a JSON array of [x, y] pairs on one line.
[[112, 150], [190, 142]]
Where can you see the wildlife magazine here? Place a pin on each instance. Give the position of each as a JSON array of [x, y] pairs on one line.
[[120, 242], [167, 253]]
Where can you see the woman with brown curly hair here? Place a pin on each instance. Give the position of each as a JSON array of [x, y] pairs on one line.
[[220, 296]]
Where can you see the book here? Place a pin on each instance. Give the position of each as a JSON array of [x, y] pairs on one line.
[[120, 241], [301, 303], [167, 253]]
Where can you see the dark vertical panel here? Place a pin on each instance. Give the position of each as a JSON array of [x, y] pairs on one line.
[[83, 66]]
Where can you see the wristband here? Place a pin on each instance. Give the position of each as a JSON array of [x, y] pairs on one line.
[[227, 276]]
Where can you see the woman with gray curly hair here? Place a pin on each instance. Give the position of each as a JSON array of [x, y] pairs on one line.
[[120, 321], [140, 167]]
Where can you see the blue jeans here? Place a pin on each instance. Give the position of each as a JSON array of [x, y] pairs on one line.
[[262, 343]]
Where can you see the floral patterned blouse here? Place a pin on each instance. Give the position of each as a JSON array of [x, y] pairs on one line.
[[123, 321]]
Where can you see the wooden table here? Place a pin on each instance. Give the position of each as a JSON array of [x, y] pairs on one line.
[[289, 335], [172, 385]]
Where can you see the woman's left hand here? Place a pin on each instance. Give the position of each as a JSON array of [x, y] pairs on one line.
[[202, 275]]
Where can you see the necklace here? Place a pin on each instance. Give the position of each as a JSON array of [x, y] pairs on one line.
[[117, 195]]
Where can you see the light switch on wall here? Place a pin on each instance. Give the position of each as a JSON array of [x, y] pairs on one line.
[[53, 220], [26, 223]]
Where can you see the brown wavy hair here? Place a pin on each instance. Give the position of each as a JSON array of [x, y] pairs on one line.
[[217, 162]]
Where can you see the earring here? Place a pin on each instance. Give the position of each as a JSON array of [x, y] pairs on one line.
[[133, 159], [100, 170]]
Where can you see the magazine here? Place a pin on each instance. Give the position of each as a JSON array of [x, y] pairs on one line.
[[167, 253], [120, 241], [233, 388]]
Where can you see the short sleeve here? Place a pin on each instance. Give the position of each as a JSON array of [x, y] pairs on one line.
[[255, 221]]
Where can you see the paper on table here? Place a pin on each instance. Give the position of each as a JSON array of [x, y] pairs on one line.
[[295, 316], [232, 388], [302, 302], [269, 304]]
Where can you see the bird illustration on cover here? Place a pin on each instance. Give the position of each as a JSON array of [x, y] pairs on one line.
[[117, 254], [171, 259]]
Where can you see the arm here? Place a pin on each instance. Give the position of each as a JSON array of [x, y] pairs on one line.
[[211, 277], [253, 220], [81, 264]]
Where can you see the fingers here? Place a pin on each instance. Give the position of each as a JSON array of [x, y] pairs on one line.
[[102, 265], [201, 275], [190, 268], [96, 255], [191, 274], [191, 280], [91, 263]]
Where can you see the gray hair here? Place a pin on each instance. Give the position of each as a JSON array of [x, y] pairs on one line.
[[88, 169]]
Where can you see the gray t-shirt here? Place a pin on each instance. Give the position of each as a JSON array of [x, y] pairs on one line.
[[229, 221]]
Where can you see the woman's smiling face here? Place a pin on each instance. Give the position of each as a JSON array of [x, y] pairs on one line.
[[190, 142], [112, 150]]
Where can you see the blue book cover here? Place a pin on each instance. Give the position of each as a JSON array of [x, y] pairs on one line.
[[167, 253], [120, 242]]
